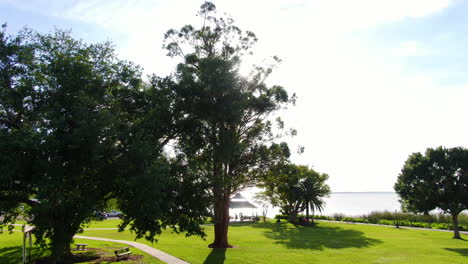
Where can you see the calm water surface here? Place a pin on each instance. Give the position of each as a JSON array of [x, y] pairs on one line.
[[348, 203], [361, 203]]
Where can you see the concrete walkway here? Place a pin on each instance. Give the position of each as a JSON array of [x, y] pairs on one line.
[[152, 251]]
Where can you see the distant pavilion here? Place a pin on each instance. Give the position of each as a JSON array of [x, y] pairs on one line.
[[240, 206]]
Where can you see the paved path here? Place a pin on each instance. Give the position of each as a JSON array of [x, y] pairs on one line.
[[152, 251]]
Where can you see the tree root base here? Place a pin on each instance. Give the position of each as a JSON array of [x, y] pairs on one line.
[[220, 245]]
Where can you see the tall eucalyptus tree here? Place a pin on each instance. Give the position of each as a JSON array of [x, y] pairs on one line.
[[228, 135]]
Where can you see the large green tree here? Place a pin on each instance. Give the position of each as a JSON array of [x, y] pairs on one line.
[[436, 179], [295, 188], [75, 127], [228, 138]]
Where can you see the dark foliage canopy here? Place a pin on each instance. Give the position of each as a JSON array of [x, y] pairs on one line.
[[436, 179], [79, 127], [295, 188]]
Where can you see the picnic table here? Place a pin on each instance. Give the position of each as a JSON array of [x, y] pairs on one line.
[[83, 246]]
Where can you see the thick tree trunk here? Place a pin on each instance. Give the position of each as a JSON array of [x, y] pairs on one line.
[[221, 217], [292, 217], [456, 231], [61, 241], [61, 249]]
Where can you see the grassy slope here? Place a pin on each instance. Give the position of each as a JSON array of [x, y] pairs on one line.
[[325, 243], [11, 244]]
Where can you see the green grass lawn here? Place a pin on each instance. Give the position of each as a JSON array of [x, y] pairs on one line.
[[285, 243], [10, 248], [11, 251], [109, 223], [324, 243]]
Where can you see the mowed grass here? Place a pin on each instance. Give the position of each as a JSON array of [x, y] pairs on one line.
[[11, 248], [324, 243], [11, 251], [281, 243], [109, 223]]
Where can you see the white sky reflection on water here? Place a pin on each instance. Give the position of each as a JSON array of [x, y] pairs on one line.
[[352, 204]]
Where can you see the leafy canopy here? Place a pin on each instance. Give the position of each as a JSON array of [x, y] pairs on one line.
[[226, 137], [228, 134], [295, 188], [79, 127], [436, 179]]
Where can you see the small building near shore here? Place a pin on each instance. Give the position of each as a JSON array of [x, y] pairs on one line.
[[241, 209]]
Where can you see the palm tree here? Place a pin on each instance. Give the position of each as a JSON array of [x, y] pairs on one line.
[[314, 189]]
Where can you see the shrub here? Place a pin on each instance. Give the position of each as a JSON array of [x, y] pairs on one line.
[[354, 220], [385, 222], [434, 220], [279, 217], [301, 216], [338, 216], [323, 217]]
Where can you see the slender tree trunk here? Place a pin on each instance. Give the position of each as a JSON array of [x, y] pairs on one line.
[[456, 231], [313, 213], [307, 213], [221, 215]]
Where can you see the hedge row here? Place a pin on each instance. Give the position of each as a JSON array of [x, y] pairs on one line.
[[433, 221]]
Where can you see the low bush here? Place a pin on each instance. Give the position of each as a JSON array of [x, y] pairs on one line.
[[374, 217], [386, 222], [284, 217], [433, 221], [338, 216], [354, 220], [300, 216], [323, 217]]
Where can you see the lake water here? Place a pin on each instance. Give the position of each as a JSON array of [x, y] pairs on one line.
[[348, 203], [355, 204]]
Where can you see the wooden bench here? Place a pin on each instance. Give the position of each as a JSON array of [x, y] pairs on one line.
[[80, 245], [124, 252]]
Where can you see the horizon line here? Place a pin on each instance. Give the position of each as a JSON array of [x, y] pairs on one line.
[[364, 192]]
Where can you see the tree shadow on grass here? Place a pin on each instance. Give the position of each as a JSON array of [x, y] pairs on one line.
[[216, 256], [316, 237], [461, 251], [238, 224], [14, 255], [11, 255]]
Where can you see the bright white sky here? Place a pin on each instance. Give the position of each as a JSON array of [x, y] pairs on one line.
[[376, 80]]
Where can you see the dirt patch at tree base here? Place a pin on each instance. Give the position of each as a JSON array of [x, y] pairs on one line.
[[94, 259], [114, 259], [86, 249]]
